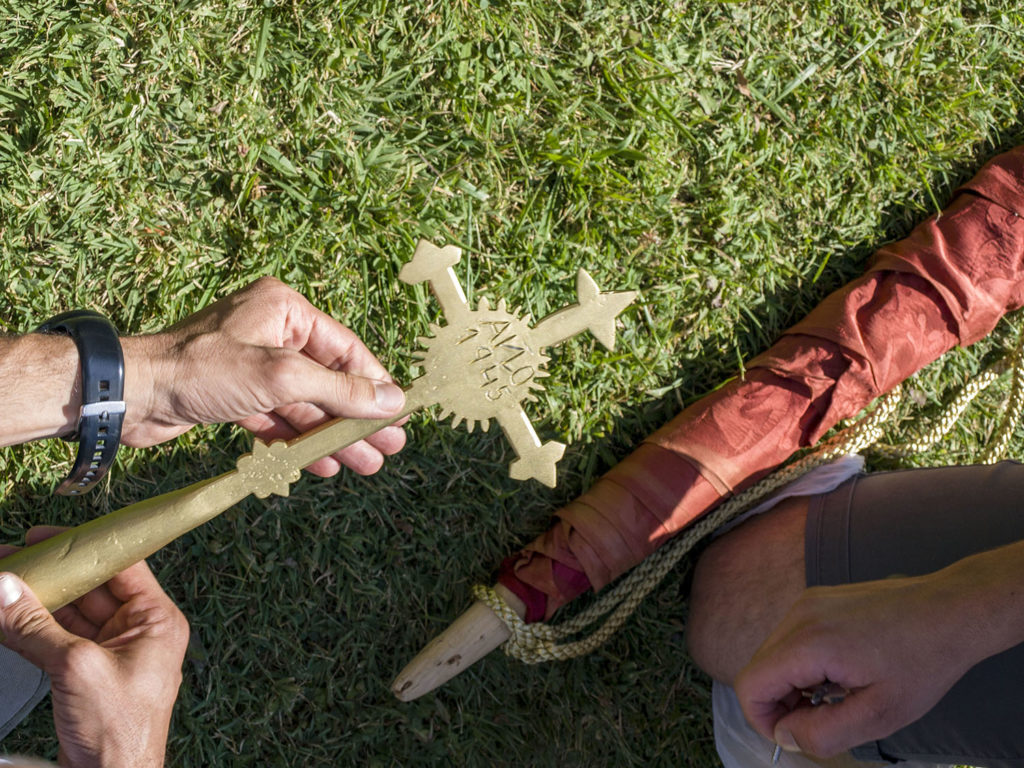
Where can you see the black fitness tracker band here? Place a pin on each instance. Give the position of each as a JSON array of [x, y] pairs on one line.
[[99, 427]]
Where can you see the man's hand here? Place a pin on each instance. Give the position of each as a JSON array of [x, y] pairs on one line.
[[895, 645], [265, 358], [114, 659]]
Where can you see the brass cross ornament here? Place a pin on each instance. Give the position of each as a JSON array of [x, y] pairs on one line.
[[484, 363]]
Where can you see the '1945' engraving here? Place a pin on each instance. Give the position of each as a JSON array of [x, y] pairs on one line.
[[502, 351]]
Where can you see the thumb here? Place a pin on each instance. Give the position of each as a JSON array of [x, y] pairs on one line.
[[369, 397], [27, 627], [827, 730], [344, 394]]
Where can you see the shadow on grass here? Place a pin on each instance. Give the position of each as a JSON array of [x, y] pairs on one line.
[[304, 608]]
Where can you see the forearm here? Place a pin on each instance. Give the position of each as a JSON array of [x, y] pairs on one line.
[[40, 387], [263, 358], [897, 644], [983, 599]]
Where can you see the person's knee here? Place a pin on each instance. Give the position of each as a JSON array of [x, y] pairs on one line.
[[743, 585]]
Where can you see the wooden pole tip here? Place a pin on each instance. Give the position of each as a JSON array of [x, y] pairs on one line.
[[472, 636]]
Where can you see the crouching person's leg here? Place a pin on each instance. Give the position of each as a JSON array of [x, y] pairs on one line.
[[745, 582]]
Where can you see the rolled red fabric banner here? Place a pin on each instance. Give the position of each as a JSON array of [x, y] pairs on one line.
[[947, 283]]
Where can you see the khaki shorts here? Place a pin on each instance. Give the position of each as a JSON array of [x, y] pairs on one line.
[[915, 522]]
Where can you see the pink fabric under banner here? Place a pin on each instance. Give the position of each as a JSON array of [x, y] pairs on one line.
[[947, 283]]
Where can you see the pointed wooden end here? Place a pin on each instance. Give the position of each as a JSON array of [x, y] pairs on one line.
[[472, 636]]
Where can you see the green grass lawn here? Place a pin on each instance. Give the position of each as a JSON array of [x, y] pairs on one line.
[[733, 162]]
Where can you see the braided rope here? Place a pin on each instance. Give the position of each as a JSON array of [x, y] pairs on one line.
[[1000, 439], [533, 643], [941, 426], [537, 642]]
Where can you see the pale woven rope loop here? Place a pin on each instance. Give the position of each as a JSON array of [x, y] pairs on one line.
[[533, 643]]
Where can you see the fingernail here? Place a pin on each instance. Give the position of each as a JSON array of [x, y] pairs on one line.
[[388, 396], [785, 740], [10, 590]]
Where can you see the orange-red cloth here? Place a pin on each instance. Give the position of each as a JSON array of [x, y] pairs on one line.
[[947, 283]]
